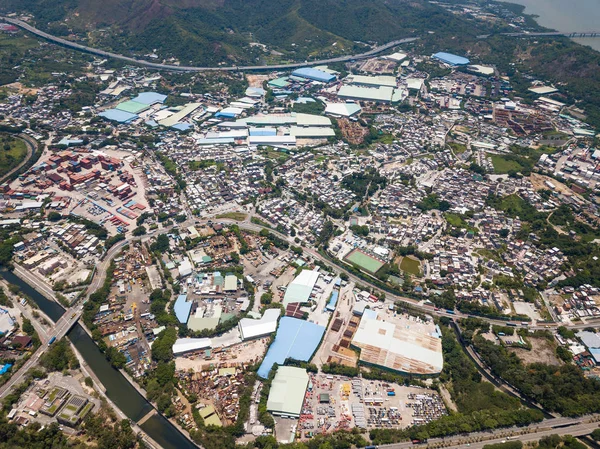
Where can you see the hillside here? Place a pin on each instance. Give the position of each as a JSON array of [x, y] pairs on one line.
[[216, 31]]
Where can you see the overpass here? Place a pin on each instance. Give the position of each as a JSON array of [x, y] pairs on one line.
[[59, 330], [158, 66]]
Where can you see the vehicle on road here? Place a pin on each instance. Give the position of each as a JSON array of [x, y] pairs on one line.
[[52, 340]]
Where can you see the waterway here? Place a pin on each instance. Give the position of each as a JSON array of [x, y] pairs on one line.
[[567, 16], [118, 388]]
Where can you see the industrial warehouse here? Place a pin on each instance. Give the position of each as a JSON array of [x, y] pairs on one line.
[[404, 344]]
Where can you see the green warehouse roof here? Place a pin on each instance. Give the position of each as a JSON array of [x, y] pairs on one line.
[[287, 391], [132, 107]]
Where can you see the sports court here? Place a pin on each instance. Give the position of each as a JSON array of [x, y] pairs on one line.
[[364, 261]]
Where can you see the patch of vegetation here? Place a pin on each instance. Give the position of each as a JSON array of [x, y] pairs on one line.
[[364, 183], [410, 265], [12, 152], [238, 216], [562, 389], [431, 202]]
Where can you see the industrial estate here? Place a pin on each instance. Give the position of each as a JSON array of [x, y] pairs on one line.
[[400, 250]]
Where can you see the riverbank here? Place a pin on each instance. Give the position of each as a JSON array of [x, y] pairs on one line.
[[101, 390], [118, 389]]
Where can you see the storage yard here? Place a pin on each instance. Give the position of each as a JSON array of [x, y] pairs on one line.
[[336, 402]]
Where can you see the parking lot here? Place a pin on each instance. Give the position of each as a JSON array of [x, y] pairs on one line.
[[336, 402]]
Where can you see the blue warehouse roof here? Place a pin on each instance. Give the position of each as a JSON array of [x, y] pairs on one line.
[[182, 308], [313, 74], [150, 98], [451, 59], [118, 116], [296, 339]]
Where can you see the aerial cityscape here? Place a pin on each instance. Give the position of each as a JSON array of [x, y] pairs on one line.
[[298, 225]]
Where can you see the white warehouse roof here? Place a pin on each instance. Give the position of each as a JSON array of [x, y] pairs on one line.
[[183, 345], [402, 349], [250, 328], [300, 288]]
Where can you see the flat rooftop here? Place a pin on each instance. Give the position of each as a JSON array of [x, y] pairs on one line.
[[404, 344]]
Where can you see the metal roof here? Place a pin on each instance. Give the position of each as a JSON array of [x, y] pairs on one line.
[[297, 339], [183, 345], [403, 349], [132, 107], [300, 288], [381, 80], [150, 98], [382, 93], [266, 325], [118, 115], [451, 59], [182, 308], [313, 74], [287, 391]]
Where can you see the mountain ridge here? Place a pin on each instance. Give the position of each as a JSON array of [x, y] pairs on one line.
[[215, 32]]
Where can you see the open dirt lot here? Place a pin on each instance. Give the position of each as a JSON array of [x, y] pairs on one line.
[[243, 353], [542, 351]]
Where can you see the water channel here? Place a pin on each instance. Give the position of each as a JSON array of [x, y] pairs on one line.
[[118, 388]]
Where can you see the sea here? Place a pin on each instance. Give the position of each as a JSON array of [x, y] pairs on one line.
[[567, 16]]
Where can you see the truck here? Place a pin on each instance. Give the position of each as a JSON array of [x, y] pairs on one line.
[[52, 340]]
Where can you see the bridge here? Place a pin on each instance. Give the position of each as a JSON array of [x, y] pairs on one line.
[[59, 330], [570, 34], [154, 65]]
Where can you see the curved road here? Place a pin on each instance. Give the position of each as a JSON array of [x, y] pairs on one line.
[[155, 65], [31, 146]]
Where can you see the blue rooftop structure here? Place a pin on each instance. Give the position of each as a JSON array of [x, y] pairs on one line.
[[451, 59], [4, 368], [333, 301], [182, 308], [150, 98], [69, 142], [225, 114], [595, 352], [182, 126], [117, 115], [296, 339], [313, 74]]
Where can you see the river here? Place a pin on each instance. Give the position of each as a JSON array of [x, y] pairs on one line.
[[567, 16], [118, 388]]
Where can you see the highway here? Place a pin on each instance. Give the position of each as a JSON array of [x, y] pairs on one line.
[[154, 65], [477, 440]]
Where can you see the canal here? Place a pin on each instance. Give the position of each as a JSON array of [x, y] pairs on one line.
[[118, 388]]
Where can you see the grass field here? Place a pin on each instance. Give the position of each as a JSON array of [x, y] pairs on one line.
[[410, 265], [503, 165], [364, 261], [12, 153], [238, 216]]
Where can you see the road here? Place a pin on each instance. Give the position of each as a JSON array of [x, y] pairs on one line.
[[154, 65], [477, 440], [59, 330]]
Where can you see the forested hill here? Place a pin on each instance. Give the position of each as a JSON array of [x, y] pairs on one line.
[[213, 31]]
